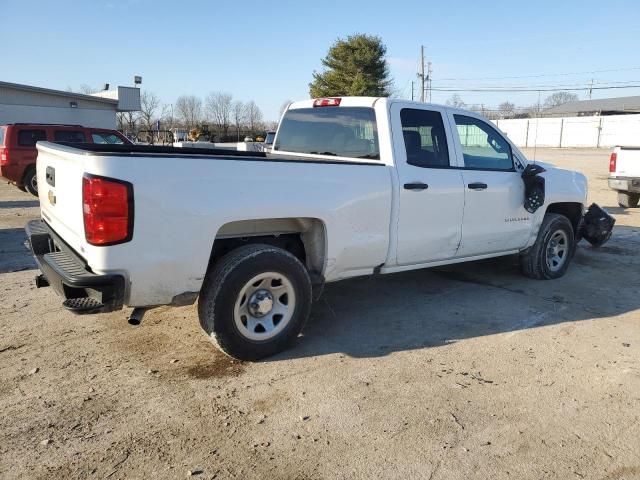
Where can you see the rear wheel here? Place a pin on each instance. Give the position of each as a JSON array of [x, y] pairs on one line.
[[550, 255], [628, 200], [255, 301], [31, 181]]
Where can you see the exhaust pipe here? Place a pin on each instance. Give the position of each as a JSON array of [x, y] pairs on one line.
[[135, 318]]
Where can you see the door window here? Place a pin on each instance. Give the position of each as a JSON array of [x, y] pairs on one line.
[[483, 147], [425, 140], [28, 138], [69, 136]]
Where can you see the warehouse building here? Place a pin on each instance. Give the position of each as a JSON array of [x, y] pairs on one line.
[[28, 104], [601, 106]]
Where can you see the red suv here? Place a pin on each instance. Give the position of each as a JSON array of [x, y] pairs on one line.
[[18, 147]]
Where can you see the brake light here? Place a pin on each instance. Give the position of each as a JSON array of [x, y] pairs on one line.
[[4, 155], [612, 162], [107, 206], [327, 102]]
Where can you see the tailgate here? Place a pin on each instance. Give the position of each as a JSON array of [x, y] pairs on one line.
[[628, 162], [60, 171]]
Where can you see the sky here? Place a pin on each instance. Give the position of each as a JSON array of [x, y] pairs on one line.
[[267, 51]]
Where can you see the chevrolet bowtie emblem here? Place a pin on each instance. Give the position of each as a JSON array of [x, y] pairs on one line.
[[52, 198]]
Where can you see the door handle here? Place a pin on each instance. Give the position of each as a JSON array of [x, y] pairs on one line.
[[477, 186], [416, 186]]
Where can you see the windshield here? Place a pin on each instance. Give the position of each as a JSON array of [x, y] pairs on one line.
[[334, 131]]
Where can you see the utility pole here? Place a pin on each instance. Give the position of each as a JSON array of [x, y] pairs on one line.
[[591, 89], [421, 74], [412, 90], [429, 72]]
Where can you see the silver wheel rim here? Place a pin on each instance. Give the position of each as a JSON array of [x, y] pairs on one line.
[[557, 250], [34, 183], [264, 306]]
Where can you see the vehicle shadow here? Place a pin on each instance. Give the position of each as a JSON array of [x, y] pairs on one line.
[[617, 210], [14, 254], [375, 316], [20, 204]]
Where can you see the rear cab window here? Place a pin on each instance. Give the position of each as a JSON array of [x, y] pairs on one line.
[[29, 137], [332, 131], [73, 136], [2, 135]]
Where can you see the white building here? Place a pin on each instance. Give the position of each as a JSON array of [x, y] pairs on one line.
[[28, 104]]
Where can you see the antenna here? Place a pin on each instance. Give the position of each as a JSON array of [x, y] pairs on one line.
[[535, 141]]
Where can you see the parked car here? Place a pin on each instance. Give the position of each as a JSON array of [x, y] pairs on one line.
[[355, 186], [18, 147], [624, 175]]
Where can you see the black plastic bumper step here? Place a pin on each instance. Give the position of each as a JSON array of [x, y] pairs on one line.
[[82, 305]]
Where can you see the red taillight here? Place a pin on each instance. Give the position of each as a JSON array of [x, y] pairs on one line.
[[327, 102], [612, 162], [4, 155], [107, 206]]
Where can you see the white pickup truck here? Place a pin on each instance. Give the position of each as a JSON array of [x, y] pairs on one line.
[[624, 175], [354, 186]]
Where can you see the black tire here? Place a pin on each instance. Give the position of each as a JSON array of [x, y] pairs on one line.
[[534, 259], [31, 181], [222, 287], [628, 199]]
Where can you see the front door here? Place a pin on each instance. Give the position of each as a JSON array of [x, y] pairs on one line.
[[431, 188], [494, 216]]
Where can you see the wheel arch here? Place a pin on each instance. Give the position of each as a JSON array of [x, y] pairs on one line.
[[304, 237], [572, 210]]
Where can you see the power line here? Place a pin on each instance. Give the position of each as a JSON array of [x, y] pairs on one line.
[[557, 85], [547, 74], [496, 90]]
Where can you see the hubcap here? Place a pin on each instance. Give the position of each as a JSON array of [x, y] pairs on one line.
[[557, 250], [264, 306], [34, 183], [260, 303]]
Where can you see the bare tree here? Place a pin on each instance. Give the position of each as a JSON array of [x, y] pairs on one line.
[[189, 110], [559, 98], [456, 101], [219, 106], [149, 105], [86, 89], [239, 116], [254, 116], [284, 106], [506, 109], [127, 122], [167, 117]]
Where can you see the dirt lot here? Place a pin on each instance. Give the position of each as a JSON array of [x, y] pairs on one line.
[[464, 372]]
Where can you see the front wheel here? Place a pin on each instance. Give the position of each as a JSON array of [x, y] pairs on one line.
[[255, 301], [550, 255], [628, 200]]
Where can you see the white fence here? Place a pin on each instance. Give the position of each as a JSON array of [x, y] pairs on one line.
[[605, 131]]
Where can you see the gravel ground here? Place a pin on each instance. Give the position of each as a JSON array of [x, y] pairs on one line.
[[461, 372]]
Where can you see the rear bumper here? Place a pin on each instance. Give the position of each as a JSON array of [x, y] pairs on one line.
[[69, 276], [625, 184]]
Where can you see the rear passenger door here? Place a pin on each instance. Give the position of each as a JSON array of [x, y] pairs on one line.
[[431, 188], [494, 216]]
